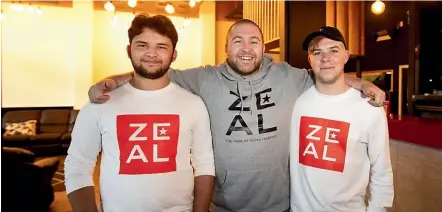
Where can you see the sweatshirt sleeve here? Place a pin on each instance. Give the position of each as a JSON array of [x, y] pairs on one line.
[[381, 183], [302, 78], [190, 79], [202, 158], [83, 150]]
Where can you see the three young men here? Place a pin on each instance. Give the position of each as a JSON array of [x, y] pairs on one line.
[[249, 99]]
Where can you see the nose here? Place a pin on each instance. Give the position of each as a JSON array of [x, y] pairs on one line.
[[151, 52], [325, 57], [247, 45]]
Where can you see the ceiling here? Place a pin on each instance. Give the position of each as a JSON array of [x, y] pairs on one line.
[[182, 8]]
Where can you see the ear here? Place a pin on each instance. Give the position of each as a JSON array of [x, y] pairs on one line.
[[263, 48], [128, 51], [174, 55], [347, 56]]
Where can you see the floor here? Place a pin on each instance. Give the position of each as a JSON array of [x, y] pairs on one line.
[[417, 179], [61, 202]]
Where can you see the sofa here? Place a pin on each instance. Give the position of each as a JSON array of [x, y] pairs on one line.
[[26, 181], [46, 131]]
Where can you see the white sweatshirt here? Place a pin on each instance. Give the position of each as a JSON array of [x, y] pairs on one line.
[[337, 142], [153, 144]]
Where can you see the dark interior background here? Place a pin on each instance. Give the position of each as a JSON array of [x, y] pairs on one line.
[[417, 43]]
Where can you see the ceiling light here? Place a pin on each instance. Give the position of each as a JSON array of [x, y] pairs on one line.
[[109, 6], [192, 3], [132, 3], [378, 7], [169, 8]]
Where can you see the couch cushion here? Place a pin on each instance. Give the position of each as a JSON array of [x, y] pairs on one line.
[[17, 155], [46, 136], [54, 121], [28, 128], [20, 116], [45, 139], [16, 138]]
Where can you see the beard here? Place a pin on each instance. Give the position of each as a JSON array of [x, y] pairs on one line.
[[244, 72], [158, 73]]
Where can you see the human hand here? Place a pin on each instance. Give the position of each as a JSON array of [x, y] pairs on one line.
[[377, 96], [98, 92]]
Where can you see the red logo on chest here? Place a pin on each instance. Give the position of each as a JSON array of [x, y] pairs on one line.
[[323, 143], [148, 143]]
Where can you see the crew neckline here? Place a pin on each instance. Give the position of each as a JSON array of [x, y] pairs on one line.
[[128, 86], [345, 94]]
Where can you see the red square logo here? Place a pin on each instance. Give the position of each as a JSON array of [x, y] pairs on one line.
[[323, 143], [148, 143]]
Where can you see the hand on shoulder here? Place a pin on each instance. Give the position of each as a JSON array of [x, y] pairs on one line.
[[376, 95], [98, 92]]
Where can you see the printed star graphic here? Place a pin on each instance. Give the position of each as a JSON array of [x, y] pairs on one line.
[[266, 99], [163, 131], [333, 135]]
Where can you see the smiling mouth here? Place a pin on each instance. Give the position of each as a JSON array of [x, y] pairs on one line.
[[246, 58], [327, 68]]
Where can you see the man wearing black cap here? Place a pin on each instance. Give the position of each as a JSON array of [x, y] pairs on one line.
[[339, 143]]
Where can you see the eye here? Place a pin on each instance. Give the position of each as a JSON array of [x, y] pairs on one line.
[[255, 42], [335, 50], [161, 47], [141, 45], [316, 53], [237, 41]]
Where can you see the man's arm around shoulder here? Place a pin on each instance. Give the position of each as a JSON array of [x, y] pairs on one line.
[[302, 78], [368, 88], [189, 79], [98, 92], [202, 159], [81, 159]]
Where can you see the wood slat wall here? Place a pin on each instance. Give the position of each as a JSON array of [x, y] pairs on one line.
[[348, 17], [266, 13]]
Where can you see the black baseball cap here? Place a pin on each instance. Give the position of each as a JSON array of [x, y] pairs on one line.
[[326, 31]]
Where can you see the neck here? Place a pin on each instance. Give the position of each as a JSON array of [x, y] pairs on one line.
[[335, 88], [143, 83]]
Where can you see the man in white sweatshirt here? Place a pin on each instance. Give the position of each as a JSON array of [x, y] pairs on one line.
[[154, 136], [339, 143]]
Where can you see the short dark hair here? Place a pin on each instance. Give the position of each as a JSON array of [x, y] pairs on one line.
[[158, 23], [245, 21]]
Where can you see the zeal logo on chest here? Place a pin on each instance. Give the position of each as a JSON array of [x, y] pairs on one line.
[[148, 143], [263, 101], [323, 143]]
